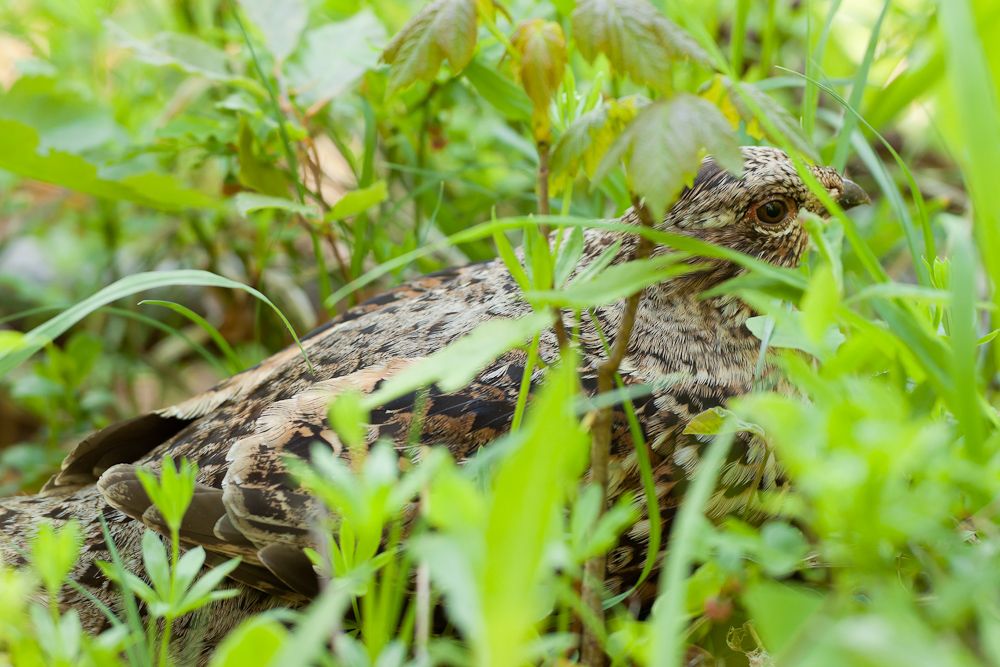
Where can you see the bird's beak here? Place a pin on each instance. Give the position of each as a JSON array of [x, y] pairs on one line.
[[852, 196]]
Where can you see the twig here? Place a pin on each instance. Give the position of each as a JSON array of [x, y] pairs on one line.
[[543, 209], [591, 651]]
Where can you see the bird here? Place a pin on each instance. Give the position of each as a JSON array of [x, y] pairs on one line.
[[241, 431]]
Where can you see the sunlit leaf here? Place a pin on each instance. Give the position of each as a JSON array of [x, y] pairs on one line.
[[442, 29], [540, 67], [334, 56], [19, 146], [358, 201], [637, 39], [664, 144], [280, 21]]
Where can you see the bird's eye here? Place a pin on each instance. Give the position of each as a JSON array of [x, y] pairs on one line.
[[772, 212]]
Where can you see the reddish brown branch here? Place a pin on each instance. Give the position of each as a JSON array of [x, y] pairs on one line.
[[591, 652]]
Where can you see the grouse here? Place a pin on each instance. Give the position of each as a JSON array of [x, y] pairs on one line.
[[241, 432]]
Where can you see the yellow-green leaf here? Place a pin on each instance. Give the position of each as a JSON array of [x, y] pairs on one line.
[[637, 39], [664, 144], [442, 29], [541, 46]]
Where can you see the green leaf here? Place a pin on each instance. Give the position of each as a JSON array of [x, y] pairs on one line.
[[154, 559], [185, 52], [172, 490], [334, 56], [750, 100], [712, 421], [64, 118], [19, 146], [358, 201], [499, 91], [44, 334], [442, 29], [637, 39], [244, 202], [615, 283], [540, 67], [280, 21], [260, 174], [790, 333], [569, 257], [456, 365], [54, 552], [663, 147], [255, 641], [780, 611]]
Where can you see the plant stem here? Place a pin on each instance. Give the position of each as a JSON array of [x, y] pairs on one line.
[[591, 651]]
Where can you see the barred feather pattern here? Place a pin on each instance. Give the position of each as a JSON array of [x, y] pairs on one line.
[[697, 352]]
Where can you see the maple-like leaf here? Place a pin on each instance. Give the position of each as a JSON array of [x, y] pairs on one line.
[[664, 144], [637, 39], [587, 138], [442, 29]]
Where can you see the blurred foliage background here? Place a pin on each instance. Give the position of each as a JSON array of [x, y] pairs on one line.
[[265, 142]]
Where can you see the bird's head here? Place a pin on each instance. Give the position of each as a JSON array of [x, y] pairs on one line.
[[759, 213]]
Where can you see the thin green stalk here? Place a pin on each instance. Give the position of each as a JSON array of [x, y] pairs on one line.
[[522, 394], [670, 615], [740, 34]]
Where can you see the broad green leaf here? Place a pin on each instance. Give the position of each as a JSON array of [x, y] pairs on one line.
[[780, 611], [527, 506], [790, 333], [260, 174], [44, 334], [587, 138], [819, 303], [334, 56], [358, 201], [637, 39], [442, 29], [64, 118], [456, 365], [244, 202], [255, 641], [663, 147], [499, 91], [185, 52], [748, 99], [19, 145], [280, 21]]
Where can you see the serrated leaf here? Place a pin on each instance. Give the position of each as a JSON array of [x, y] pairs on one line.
[[280, 21], [541, 46], [442, 29], [358, 201], [334, 56], [637, 39], [745, 96], [663, 147]]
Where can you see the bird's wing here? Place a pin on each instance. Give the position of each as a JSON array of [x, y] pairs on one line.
[[242, 432], [130, 440]]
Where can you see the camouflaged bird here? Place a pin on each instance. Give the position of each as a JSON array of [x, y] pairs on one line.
[[240, 431]]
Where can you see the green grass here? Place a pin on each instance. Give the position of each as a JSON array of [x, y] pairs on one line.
[[209, 176]]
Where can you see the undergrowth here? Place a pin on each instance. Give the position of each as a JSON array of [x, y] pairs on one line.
[[318, 152]]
